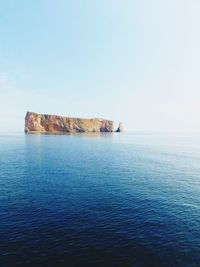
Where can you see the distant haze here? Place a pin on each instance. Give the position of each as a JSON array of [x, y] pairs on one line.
[[132, 61]]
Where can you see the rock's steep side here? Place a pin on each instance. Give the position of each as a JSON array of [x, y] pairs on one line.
[[41, 123]]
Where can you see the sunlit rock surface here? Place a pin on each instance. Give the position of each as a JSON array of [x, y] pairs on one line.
[[42, 123]]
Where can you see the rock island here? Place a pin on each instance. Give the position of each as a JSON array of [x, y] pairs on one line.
[[43, 123]]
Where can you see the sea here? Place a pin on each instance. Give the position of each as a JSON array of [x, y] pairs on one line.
[[105, 200]]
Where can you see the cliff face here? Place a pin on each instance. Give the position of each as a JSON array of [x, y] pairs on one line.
[[41, 123]]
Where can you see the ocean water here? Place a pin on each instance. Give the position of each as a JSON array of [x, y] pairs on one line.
[[100, 200]]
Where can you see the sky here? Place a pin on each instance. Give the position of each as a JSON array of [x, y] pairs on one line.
[[135, 61]]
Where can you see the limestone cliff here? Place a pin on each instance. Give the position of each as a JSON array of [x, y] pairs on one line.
[[41, 123]]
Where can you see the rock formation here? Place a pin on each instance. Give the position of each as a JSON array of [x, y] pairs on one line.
[[41, 123], [120, 128]]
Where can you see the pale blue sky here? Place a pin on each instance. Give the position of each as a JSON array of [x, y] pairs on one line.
[[131, 61]]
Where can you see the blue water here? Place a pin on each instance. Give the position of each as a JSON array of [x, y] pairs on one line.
[[100, 200]]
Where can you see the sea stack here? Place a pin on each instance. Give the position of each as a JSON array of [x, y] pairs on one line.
[[120, 129], [43, 123]]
